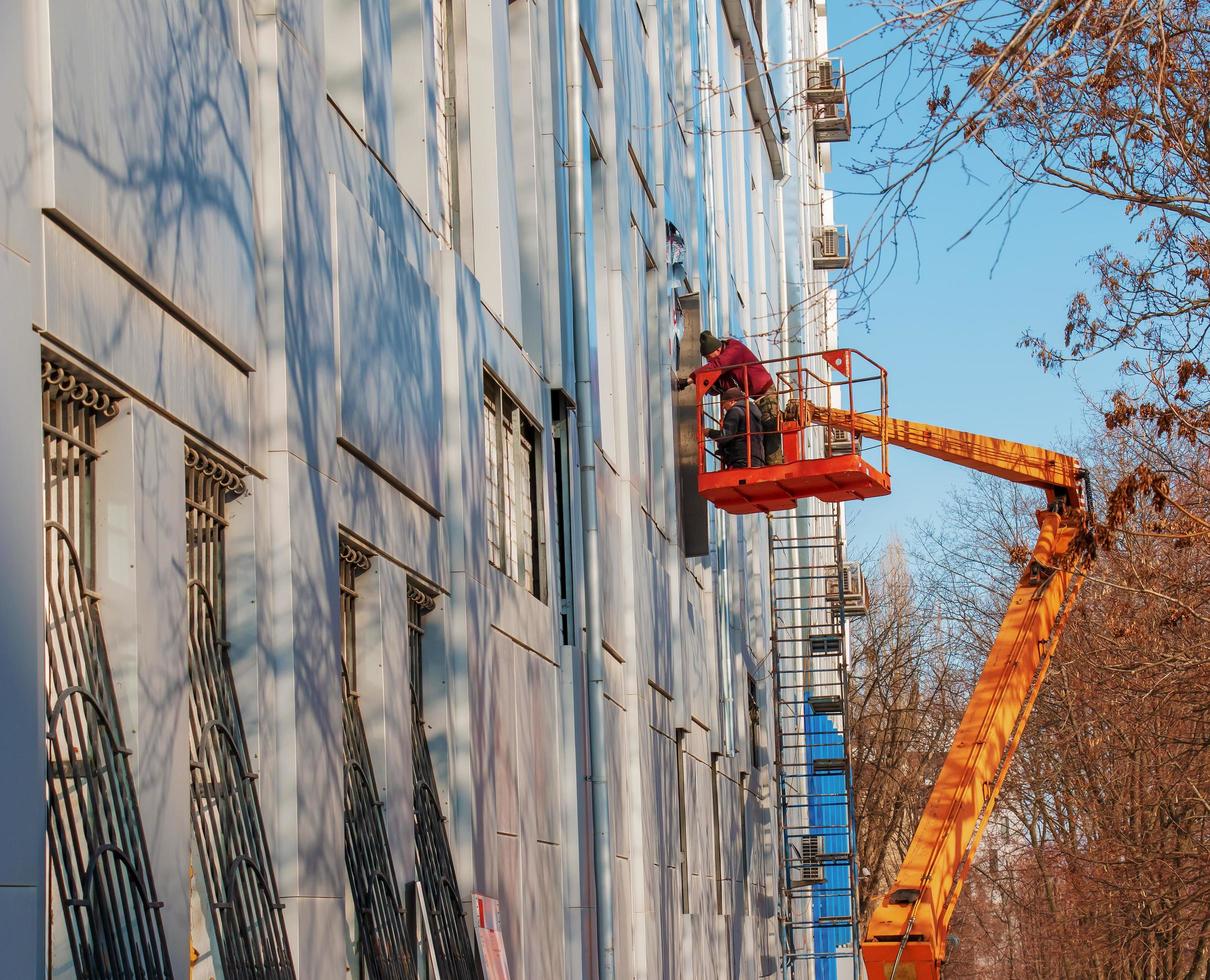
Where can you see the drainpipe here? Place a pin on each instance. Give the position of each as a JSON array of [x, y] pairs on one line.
[[602, 847]]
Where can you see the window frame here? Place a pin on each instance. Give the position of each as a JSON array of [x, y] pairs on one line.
[[513, 458]]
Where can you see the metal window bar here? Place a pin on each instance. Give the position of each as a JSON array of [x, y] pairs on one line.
[[452, 948], [818, 897], [528, 510], [384, 942], [562, 504], [245, 912], [491, 452], [508, 455], [98, 849], [447, 119]]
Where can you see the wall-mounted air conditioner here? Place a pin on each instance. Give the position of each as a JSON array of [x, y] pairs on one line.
[[830, 247], [825, 81], [848, 590], [830, 122]]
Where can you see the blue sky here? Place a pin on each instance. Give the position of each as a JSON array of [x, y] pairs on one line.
[[946, 323]]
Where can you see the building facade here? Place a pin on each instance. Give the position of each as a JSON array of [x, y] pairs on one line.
[[350, 536]]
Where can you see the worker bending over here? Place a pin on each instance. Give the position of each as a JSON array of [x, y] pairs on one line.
[[741, 440], [743, 371]]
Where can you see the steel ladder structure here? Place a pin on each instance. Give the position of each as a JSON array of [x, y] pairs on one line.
[[818, 892]]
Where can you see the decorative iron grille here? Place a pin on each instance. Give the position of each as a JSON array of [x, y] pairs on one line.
[[383, 937], [246, 919], [97, 846], [452, 946]]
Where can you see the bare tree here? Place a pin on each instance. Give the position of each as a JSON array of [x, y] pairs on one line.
[[903, 699], [1098, 862]]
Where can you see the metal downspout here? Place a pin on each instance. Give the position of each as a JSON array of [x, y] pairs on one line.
[[576, 162]]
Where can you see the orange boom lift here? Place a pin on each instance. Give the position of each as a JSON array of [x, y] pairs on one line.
[[906, 938], [907, 934]]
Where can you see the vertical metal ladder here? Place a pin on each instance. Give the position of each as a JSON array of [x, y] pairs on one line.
[[818, 895]]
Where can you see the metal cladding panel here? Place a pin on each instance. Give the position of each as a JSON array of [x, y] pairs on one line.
[[623, 918], [544, 953], [617, 768], [309, 657], [510, 893], [300, 335], [152, 154], [499, 771], [390, 357], [97, 312], [140, 524], [538, 726], [22, 695]]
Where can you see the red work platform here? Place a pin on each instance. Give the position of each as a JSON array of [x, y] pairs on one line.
[[853, 465], [768, 488]]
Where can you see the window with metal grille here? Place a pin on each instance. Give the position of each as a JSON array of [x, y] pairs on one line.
[[447, 120], [515, 541], [682, 818], [98, 850], [716, 805], [452, 948], [383, 939], [561, 441], [753, 724], [491, 449], [245, 912]]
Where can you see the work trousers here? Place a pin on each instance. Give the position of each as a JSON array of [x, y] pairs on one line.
[[771, 420]]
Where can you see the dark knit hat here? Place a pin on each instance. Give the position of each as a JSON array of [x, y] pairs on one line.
[[709, 343], [733, 394]]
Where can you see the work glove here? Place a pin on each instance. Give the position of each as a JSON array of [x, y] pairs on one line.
[[714, 433], [681, 383]]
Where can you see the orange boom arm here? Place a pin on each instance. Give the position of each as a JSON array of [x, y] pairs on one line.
[[907, 934], [1035, 467]]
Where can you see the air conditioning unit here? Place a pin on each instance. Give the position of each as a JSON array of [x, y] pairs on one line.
[[848, 591], [825, 81], [842, 442], [825, 645], [808, 868], [826, 704], [830, 247], [831, 122]]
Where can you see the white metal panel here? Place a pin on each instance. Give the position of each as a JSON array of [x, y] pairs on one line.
[[152, 153]]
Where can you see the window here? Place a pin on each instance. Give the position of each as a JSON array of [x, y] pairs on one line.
[[447, 120], [104, 898], [445, 918], [716, 804], [245, 912], [383, 938], [514, 505], [605, 334], [682, 817], [561, 439]]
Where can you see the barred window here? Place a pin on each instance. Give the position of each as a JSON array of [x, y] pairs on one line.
[[491, 446], [384, 943], [515, 539], [452, 949], [447, 121], [682, 817], [245, 912], [98, 851]]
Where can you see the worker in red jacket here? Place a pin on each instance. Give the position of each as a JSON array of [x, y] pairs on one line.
[[744, 371]]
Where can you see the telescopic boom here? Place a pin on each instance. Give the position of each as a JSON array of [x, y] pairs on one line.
[[906, 938]]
